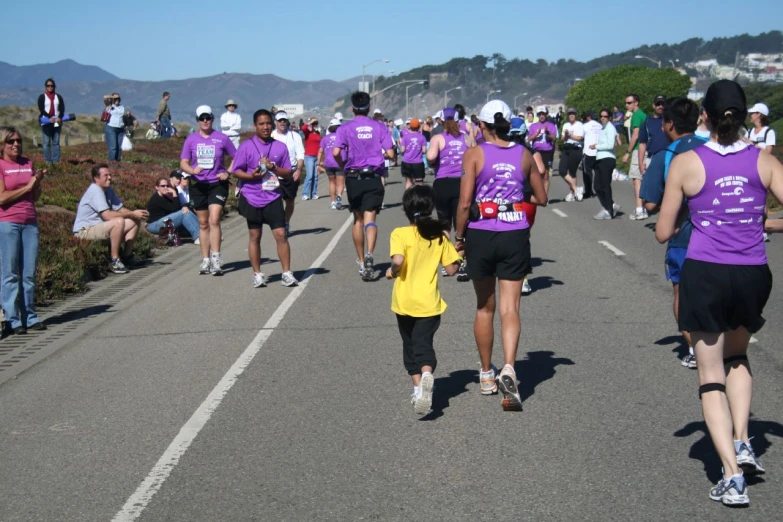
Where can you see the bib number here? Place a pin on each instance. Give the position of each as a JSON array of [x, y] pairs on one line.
[[270, 182], [205, 155]]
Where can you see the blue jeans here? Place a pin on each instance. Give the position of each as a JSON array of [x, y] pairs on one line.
[[51, 143], [165, 127], [189, 221], [114, 141], [311, 181], [18, 254]]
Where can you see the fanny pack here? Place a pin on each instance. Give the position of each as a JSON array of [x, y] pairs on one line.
[[571, 146], [490, 210], [365, 173]]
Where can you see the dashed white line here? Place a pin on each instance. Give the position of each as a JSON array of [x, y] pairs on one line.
[[559, 212], [611, 247], [141, 498]]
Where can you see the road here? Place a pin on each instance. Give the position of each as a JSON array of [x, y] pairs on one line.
[[201, 398]]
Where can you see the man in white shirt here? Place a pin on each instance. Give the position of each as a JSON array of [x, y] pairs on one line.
[[231, 122], [592, 130], [296, 152]]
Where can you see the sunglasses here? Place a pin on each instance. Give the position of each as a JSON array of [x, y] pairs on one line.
[[11, 141], [50, 85], [629, 103], [205, 118], [605, 116], [659, 104], [164, 186]]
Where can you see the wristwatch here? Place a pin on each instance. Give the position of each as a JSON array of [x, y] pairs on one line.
[[459, 239]]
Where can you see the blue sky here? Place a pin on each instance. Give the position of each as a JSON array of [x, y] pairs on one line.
[[307, 40]]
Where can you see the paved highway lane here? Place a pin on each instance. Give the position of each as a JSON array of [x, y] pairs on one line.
[[318, 426]]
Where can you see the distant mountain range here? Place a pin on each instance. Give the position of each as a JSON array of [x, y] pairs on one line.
[[64, 71]]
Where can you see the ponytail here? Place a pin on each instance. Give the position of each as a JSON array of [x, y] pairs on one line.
[[727, 127], [501, 127], [418, 203]]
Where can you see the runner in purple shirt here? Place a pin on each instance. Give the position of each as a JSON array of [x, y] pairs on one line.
[[412, 146], [260, 162], [542, 135], [367, 142]]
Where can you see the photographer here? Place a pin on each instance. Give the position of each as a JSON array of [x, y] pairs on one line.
[[113, 130]]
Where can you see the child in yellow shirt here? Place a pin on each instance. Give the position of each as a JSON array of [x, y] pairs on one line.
[[416, 252]]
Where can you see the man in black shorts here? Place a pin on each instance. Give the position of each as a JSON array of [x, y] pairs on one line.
[[290, 186], [366, 142]]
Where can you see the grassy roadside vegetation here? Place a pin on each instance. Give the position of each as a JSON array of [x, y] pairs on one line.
[[67, 264]]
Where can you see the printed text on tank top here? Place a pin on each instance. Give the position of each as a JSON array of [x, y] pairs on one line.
[[450, 156], [500, 184]]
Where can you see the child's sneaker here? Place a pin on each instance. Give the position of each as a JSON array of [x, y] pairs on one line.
[[422, 404]]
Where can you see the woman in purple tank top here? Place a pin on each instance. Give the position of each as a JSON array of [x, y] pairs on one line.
[[725, 281], [497, 247]]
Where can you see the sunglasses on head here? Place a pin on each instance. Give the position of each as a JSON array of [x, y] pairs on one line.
[[205, 117], [11, 141]]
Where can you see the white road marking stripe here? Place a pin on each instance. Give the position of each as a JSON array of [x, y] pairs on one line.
[[611, 247], [559, 212], [187, 434], [753, 339]]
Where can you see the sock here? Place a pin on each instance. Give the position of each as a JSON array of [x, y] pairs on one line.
[[416, 390], [639, 210], [488, 371], [215, 255], [690, 349], [739, 477], [206, 259]]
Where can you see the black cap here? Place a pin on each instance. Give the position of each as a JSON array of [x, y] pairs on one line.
[[659, 98], [592, 114], [723, 96]]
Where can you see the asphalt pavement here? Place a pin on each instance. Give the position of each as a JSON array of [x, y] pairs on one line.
[[207, 399]]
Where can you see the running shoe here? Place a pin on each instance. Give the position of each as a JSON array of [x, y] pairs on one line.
[[334, 205], [570, 197], [258, 280], [746, 459], [197, 241], [636, 215], [462, 273], [580, 193], [487, 381], [288, 279], [507, 382], [689, 361], [361, 267], [604, 214], [339, 201], [615, 209], [206, 267], [526, 290], [443, 271], [116, 267], [766, 237], [305, 197], [314, 197], [369, 269], [422, 405], [731, 491], [217, 266]]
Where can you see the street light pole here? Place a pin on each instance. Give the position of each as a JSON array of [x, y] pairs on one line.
[[515, 99], [490, 93], [406, 97], [446, 95], [384, 60], [656, 62], [373, 81]]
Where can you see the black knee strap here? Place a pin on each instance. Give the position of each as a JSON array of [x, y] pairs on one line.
[[712, 386], [734, 358]]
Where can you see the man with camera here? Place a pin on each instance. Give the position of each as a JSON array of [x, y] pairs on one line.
[[165, 205]]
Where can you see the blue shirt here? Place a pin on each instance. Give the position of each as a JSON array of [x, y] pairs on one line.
[[652, 134], [654, 182]]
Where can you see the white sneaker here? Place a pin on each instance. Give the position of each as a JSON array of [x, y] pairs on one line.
[[570, 197], [615, 209], [216, 266], [580, 194], [507, 383], [305, 198], [258, 280], [636, 215], [339, 201], [314, 197], [288, 279], [645, 215], [526, 290], [334, 205], [206, 267], [423, 401], [197, 241]]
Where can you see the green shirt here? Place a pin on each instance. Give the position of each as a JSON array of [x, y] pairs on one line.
[[636, 122], [163, 109]]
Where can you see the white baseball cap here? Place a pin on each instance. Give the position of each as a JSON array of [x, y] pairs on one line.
[[759, 107], [338, 116], [334, 122], [281, 115], [377, 111], [488, 111], [203, 109], [540, 109], [398, 122]]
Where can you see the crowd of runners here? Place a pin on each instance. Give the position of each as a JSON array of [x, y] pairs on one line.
[[474, 221]]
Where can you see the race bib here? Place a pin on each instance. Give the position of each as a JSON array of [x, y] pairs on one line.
[[270, 182], [205, 154]]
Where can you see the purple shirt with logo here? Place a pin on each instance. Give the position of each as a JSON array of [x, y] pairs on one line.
[[413, 142], [249, 154], [327, 144], [365, 139], [207, 153], [541, 143], [728, 211], [501, 181], [450, 157]]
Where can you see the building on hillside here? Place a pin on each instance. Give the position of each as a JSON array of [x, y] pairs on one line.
[[695, 94], [293, 109]]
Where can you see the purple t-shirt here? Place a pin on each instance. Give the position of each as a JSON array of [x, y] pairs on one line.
[[501, 182], [261, 192], [207, 153], [541, 143], [365, 139], [450, 156], [413, 142], [327, 144]]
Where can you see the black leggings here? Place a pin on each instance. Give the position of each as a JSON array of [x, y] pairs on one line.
[[417, 335], [603, 182], [569, 161], [588, 168]]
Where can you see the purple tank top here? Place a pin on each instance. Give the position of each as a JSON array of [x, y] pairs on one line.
[[501, 182], [479, 137], [463, 126], [450, 157], [728, 212]]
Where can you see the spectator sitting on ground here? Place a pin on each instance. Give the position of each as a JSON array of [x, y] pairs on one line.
[[101, 216], [165, 205], [152, 132], [179, 181]]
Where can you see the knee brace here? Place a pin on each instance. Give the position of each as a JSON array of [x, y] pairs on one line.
[[712, 386], [735, 358], [370, 224]]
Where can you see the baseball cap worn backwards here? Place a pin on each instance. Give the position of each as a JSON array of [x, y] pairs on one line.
[[724, 96]]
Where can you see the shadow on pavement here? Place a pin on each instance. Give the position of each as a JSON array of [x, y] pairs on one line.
[[536, 368], [704, 451], [682, 347], [78, 314], [452, 385], [319, 230], [535, 262], [543, 282]]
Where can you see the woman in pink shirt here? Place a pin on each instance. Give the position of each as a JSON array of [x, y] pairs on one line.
[[20, 187]]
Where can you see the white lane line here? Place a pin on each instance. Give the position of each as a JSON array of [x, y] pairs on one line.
[[611, 247], [559, 212], [168, 461], [753, 339]]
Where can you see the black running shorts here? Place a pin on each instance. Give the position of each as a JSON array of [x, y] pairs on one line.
[[202, 195], [413, 170], [717, 298], [548, 156], [272, 214], [447, 199], [505, 255], [289, 188], [334, 171], [364, 194]]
